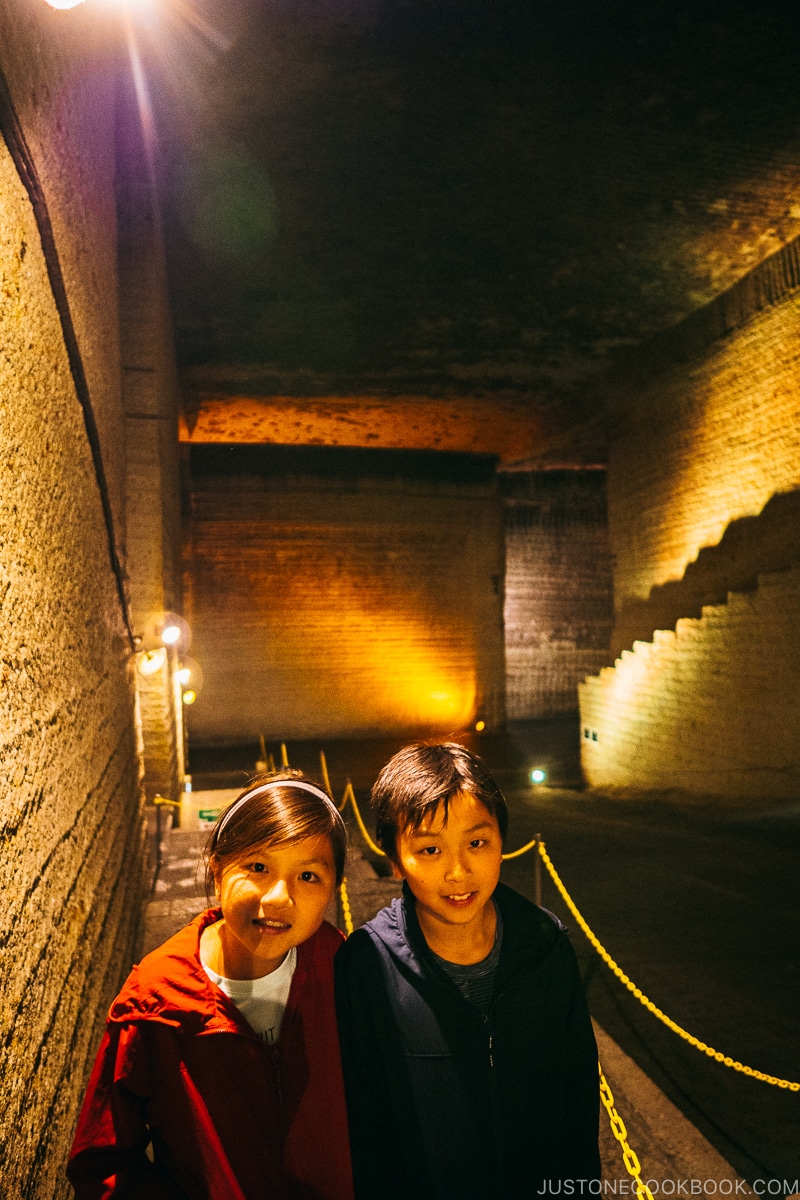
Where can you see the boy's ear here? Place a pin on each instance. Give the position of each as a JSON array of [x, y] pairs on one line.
[[397, 870]]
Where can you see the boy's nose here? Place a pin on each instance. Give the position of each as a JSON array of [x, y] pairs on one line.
[[277, 893], [456, 869]]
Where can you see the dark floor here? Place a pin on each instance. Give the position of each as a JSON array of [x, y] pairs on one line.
[[551, 745], [699, 905], [698, 902]]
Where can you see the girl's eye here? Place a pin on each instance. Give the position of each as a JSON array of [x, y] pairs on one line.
[[258, 868], [477, 842], [309, 877], [429, 851]]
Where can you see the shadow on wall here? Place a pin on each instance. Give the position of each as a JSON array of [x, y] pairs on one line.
[[749, 547]]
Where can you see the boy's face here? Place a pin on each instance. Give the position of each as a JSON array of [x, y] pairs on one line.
[[272, 898], [453, 866]]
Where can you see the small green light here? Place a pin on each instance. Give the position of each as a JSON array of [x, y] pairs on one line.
[[538, 776]]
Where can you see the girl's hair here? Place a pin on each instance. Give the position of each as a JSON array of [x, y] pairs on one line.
[[276, 808], [421, 777]]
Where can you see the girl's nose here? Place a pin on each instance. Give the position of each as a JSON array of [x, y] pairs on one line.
[[276, 893]]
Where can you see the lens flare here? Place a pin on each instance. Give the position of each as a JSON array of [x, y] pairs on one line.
[[538, 775]]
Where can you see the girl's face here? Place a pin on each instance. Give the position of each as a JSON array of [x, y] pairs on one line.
[[272, 898]]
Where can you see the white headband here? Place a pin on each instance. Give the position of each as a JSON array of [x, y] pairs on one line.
[[295, 783]]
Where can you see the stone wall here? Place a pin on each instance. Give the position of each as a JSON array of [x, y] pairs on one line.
[[71, 872], [711, 707], [709, 432], [558, 603], [343, 592], [704, 503]]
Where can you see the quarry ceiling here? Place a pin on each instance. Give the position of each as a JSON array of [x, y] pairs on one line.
[[434, 222]]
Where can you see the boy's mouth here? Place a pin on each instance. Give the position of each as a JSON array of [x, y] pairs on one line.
[[461, 897], [270, 925]]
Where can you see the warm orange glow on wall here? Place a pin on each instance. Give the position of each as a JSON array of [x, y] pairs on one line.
[[337, 613], [705, 444], [383, 667], [469, 424]]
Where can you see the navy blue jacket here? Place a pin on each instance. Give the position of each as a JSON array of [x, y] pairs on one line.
[[446, 1104]]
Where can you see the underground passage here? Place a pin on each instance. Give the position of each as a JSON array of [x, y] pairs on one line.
[[378, 373]]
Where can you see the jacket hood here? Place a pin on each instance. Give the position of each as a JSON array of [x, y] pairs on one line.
[[170, 986], [528, 930]]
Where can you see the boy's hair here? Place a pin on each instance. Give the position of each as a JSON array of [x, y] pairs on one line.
[[422, 777], [270, 811]]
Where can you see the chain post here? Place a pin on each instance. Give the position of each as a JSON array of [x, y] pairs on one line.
[[537, 872]]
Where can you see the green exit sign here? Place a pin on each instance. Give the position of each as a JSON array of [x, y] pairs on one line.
[[209, 814]]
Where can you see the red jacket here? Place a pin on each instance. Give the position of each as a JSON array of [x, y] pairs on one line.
[[228, 1117]]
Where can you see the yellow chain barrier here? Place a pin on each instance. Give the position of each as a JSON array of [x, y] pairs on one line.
[[326, 779], [347, 912], [629, 1155], [523, 849], [350, 795], [717, 1055]]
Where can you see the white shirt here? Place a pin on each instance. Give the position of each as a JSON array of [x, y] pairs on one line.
[[262, 1002]]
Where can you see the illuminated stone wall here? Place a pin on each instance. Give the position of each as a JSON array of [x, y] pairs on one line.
[[704, 503], [711, 707], [707, 440], [71, 869], [343, 593], [558, 604]]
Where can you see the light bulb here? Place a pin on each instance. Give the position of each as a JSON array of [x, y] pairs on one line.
[[151, 661]]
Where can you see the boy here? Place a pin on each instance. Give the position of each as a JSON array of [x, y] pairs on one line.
[[469, 1057]]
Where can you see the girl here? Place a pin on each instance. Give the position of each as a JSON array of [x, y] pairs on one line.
[[219, 1076]]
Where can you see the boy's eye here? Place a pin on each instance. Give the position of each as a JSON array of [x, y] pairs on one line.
[[309, 877], [429, 850], [258, 867], [476, 842]]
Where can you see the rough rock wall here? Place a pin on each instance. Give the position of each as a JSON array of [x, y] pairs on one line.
[[342, 599], [558, 603], [60, 70], [70, 813]]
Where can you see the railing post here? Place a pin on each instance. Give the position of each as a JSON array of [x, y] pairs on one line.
[[537, 872]]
